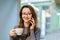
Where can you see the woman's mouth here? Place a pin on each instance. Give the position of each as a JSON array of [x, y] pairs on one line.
[[26, 18]]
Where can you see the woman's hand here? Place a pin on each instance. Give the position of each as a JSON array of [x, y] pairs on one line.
[[33, 24], [12, 32]]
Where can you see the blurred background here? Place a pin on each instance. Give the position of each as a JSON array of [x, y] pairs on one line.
[[8, 17], [48, 13]]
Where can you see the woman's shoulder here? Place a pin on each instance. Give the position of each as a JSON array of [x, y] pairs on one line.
[[38, 30]]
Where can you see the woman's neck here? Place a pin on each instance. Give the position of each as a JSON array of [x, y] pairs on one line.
[[26, 24]]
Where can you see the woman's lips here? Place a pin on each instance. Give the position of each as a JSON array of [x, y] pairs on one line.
[[26, 18]]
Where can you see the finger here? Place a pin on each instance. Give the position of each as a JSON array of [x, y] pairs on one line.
[[12, 34], [33, 20], [13, 30]]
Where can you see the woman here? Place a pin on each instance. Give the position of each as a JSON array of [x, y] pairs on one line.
[[28, 21]]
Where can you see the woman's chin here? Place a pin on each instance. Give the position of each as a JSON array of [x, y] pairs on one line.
[[26, 21]]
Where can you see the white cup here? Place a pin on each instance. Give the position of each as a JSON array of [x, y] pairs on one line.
[[19, 31]]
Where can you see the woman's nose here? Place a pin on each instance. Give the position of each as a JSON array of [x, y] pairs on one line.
[[26, 14]]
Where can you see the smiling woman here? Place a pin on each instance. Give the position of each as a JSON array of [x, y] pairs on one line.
[[28, 21]]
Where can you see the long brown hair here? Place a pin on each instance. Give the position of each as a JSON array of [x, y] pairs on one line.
[[21, 22]]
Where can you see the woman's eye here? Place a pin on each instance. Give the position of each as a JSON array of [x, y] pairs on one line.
[[23, 13], [26, 13], [29, 14]]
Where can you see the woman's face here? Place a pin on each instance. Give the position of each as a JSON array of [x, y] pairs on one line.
[[26, 14]]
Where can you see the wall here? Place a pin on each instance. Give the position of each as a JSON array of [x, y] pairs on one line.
[[8, 17]]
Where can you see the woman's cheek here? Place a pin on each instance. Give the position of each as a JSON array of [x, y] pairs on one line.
[[23, 16], [30, 18]]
